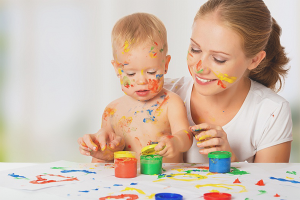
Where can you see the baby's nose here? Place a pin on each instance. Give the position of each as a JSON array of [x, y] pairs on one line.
[[141, 79]]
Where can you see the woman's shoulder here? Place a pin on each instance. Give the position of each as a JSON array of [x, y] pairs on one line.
[[177, 84]]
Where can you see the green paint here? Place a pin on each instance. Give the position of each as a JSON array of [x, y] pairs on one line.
[[163, 169], [58, 168], [194, 170], [292, 172], [262, 192], [236, 171], [200, 71], [248, 199], [126, 81], [151, 164], [152, 48]]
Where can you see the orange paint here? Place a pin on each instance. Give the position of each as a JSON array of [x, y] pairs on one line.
[[237, 181], [276, 195], [221, 84], [108, 112], [260, 183], [125, 167], [191, 54], [153, 85], [170, 136], [121, 196], [189, 136], [199, 65], [162, 103], [41, 180], [138, 141]]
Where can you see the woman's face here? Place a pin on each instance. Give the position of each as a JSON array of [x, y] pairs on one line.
[[215, 57]]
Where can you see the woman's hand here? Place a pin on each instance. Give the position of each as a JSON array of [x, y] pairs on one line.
[[101, 145], [211, 138]]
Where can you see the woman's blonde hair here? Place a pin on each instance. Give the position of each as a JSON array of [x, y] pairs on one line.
[[252, 20], [137, 29]]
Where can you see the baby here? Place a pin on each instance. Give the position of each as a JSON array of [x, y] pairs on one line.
[[147, 112]]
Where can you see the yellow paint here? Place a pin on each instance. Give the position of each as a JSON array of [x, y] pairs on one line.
[[290, 178], [138, 190], [210, 173], [142, 72], [214, 191], [204, 137], [225, 77], [126, 47], [197, 177], [119, 71], [159, 180], [226, 186], [151, 196], [179, 170], [185, 131]]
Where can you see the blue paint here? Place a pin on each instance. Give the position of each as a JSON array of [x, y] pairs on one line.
[[117, 185], [16, 176], [284, 180], [150, 111], [133, 183], [163, 96], [85, 171], [85, 191], [167, 196], [219, 161], [96, 189], [158, 76]]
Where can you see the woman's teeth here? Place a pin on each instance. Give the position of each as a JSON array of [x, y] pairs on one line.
[[204, 80]]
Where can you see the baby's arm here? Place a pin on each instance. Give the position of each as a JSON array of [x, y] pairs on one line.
[[181, 139], [102, 145]]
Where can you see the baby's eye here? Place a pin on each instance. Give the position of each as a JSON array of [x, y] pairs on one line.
[[195, 50], [151, 72], [130, 74], [219, 61]]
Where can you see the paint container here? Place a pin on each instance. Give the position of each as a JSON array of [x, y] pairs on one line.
[[219, 161], [217, 196], [125, 164], [151, 164], [168, 196]]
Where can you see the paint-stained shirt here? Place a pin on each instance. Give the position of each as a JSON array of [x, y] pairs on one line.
[[264, 120]]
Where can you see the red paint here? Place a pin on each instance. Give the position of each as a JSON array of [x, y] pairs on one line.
[[41, 180], [276, 195], [154, 54], [237, 181], [125, 167], [127, 86], [121, 196], [189, 136], [260, 183], [217, 195], [84, 145], [221, 84], [156, 43], [153, 85], [139, 141], [170, 136], [129, 146]]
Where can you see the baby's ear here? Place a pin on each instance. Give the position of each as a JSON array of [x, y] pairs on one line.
[[168, 58], [116, 65]]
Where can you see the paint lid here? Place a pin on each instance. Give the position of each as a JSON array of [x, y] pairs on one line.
[[168, 196], [217, 196], [219, 154], [124, 154], [149, 150]]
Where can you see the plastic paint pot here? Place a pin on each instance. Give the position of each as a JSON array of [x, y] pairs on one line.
[[151, 164], [125, 164], [219, 161], [168, 196], [217, 196]]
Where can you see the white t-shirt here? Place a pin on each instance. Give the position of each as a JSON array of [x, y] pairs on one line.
[[264, 120]]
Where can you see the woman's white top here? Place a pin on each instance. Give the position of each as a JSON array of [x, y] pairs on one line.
[[264, 120]]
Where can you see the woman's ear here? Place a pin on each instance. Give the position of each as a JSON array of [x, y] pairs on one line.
[[256, 60], [168, 58]]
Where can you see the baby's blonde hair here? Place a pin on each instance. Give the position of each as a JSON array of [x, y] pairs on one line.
[[137, 29]]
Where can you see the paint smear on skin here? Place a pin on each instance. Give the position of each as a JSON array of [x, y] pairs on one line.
[[150, 111], [159, 110], [158, 76], [125, 122], [129, 146], [198, 66], [17, 176], [153, 85], [169, 136], [150, 119], [134, 189], [138, 141], [221, 84], [120, 71], [142, 72], [190, 54], [84, 171], [125, 63], [125, 47], [190, 70], [200, 71], [125, 81], [155, 43], [41, 180], [108, 112], [225, 77], [226, 186], [121, 196], [204, 137], [193, 177], [284, 180]]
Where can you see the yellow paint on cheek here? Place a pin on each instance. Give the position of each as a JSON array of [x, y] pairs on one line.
[[224, 186], [129, 188], [225, 77]]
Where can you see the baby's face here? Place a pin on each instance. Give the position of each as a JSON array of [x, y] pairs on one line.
[[141, 70]]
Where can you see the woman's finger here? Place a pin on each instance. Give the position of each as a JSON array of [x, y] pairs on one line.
[[211, 142]]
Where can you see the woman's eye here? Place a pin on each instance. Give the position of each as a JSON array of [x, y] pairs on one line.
[[195, 50], [152, 72], [130, 74], [219, 61]]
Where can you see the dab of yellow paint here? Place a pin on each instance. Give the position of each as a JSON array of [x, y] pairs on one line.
[[151, 196], [179, 170], [126, 47], [210, 173], [159, 180], [120, 71], [290, 178], [142, 72], [204, 137], [185, 131], [223, 186], [214, 191], [138, 190], [225, 77], [197, 177]]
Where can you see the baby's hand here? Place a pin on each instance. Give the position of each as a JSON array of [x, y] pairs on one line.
[[95, 145], [166, 147]]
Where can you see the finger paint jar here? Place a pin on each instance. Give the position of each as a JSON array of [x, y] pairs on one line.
[[151, 164], [219, 161], [125, 164]]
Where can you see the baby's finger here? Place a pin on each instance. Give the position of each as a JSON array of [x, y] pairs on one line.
[[160, 146], [162, 152], [116, 142], [102, 141], [87, 139]]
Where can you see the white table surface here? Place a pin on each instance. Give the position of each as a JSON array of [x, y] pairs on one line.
[[12, 194]]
